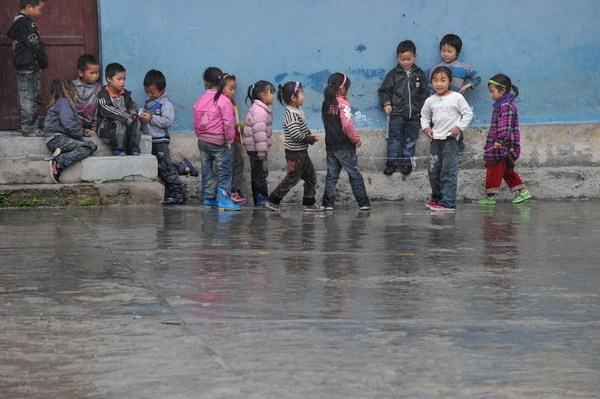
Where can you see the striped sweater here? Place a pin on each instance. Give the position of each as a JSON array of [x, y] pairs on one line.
[[295, 131]]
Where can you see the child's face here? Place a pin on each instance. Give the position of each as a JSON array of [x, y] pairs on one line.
[[448, 53], [33, 11], [117, 82], [298, 98], [440, 83], [267, 97], [495, 93], [91, 74], [153, 93], [406, 59], [229, 89]]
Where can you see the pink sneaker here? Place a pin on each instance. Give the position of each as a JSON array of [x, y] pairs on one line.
[[238, 199], [439, 208], [429, 204]]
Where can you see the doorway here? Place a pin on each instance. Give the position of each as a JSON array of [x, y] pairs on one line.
[[68, 29]]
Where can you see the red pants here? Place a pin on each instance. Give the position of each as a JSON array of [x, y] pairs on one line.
[[502, 170]]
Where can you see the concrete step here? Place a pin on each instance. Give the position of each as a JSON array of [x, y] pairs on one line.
[[83, 194], [14, 145], [32, 170]]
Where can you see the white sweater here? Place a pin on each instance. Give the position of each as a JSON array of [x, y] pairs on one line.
[[445, 112]]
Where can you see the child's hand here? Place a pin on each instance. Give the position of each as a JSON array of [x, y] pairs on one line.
[[455, 131], [466, 87], [88, 132], [497, 145], [358, 144], [261, 157], [145, 117], [428, 132], [387, 109], [314, 136]]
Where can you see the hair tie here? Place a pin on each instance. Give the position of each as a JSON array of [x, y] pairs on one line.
[[251, 90], [497, 84], [344, 81], [226, 76]]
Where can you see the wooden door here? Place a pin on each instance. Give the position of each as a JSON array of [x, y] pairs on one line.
[[68, 28]]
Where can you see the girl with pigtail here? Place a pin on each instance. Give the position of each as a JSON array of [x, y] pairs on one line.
[[341, 142], [297, 138], [503, 144], [214, 125], [257, 137]]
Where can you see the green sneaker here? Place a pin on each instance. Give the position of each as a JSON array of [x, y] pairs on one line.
[[522, 196], [489, 200]]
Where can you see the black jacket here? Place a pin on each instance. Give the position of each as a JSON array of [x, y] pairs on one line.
[[405, 92], [108, 114], [29, 51]]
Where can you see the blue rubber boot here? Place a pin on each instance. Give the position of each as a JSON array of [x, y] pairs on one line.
[[225, 203], [210, 203]]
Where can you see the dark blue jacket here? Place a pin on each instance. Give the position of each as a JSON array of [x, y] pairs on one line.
[[62, 118]]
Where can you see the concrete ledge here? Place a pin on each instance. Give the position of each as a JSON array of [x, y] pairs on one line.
[[37, 170], [544, 183], [120, 193], [14, 145]]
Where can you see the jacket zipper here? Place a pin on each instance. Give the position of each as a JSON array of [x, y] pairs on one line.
[[409, 99]]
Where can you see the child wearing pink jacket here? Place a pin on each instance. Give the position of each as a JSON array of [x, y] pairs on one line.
[[257, 137]]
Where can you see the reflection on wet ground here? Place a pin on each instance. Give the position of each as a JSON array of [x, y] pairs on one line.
[[182, 302]]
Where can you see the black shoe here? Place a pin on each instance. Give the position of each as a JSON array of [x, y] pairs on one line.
[[55, 171], [406, 169], [389, 170]]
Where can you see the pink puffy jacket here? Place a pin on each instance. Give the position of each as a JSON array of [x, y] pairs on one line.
[[258, 129]]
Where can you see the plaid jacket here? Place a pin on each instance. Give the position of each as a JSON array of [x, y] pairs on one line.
[[504, 130]]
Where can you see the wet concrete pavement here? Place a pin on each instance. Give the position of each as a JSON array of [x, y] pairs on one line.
[[145, 302]]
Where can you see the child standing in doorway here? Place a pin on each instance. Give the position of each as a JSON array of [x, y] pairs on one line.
[[88, 88], [30, 58], [503, 147], [443, 118], [341, 141], [214, 125], [297, 138], [64, 135], [257, 137], [402, 95]]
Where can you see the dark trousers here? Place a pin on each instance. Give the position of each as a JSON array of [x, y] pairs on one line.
[[167, 170], [28, 97], [71, 150], [402, 138], [348, 160], [125, 138], [258, 177], [237, 167], [443, 171], [300, 167], [495, 173]]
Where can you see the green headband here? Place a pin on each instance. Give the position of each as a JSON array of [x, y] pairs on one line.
[[497, 84]]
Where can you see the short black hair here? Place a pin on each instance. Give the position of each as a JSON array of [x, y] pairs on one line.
[[155, 78], [85, 60], [33, 3], [406, 45], [452, 40], [112, 69]]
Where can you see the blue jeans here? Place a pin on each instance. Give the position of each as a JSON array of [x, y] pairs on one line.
[[219, 154], [443, 171], [402, 138], [347, 159], [28, 95], [71, 150]]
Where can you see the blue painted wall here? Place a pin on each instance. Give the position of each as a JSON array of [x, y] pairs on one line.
[[549, 49]]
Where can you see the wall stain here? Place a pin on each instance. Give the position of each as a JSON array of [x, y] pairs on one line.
[[359, 48], [279, 78]]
